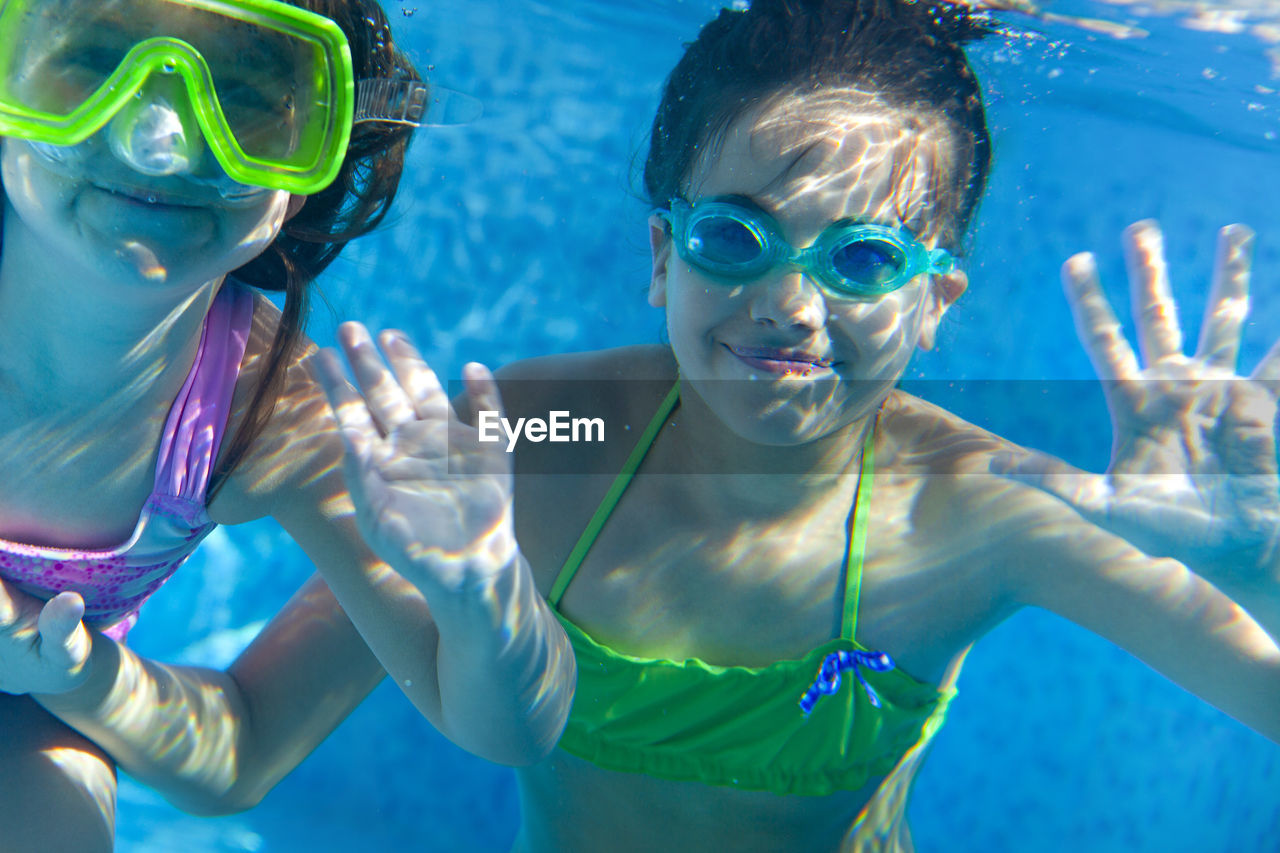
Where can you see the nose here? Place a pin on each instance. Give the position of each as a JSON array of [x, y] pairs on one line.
[[156, 133], [789, 299]]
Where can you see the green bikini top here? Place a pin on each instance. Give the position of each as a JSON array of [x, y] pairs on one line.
[[740, 726]]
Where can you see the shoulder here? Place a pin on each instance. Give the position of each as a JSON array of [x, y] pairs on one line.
[[298, 443], [255, 364], [927, 436], [944, 463], [1041, 551]]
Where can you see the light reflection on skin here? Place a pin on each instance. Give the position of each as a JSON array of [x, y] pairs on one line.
[[131, 283], [838, 147], [745, 567], [136, 705], [59, 437], [152, 711], [97, 195], [812, 161], [89, 774], [48, 761]]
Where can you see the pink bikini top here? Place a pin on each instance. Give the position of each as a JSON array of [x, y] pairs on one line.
[[115, 581]]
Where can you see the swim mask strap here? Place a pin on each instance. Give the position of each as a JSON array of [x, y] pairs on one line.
[[392, 101], [413, 103]]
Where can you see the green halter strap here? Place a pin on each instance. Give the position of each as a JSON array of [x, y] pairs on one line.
[[611, 498], [855, 550], [857, 547]]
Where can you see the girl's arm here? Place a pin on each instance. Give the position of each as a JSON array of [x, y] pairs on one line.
[[436, 504], [1156, 609], [1172, 553], [460, 628], [1193, 473], [215, 742], [212, 742]]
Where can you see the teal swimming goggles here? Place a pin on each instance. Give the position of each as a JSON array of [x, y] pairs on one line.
[[268, 85], [730, 239]]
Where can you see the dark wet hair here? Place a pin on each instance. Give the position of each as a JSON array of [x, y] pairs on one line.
[[910, 55], [353, 205]]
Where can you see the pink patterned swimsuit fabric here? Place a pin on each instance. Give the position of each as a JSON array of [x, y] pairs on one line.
[[115, 581]]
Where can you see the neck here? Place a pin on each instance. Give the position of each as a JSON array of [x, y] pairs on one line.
[[73, 334], [768, 480]]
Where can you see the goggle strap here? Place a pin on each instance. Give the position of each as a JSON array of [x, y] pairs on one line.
[[392, 101], [941, 262]]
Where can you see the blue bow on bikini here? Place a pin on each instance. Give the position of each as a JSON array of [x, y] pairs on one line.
[[828, 679]]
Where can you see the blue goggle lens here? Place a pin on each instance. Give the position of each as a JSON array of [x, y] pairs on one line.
[[868, 261], [724, 240]]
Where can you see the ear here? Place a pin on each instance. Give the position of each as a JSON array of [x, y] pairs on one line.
[[944, 290], [295, 204], [660, 252]]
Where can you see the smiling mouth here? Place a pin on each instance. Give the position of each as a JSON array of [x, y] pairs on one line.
[[146, 198], [781, 361]]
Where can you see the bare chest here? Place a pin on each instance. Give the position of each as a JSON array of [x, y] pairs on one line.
[[76, 480], [663, 582]]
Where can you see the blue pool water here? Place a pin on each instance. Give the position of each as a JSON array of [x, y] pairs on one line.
[[521, 234]]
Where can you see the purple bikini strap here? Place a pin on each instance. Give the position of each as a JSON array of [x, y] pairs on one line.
[[198, 419]]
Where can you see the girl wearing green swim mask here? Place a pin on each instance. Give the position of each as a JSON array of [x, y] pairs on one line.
[[771, 602], [162, 159]]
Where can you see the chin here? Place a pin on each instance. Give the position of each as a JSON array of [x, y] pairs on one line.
[[785, 424]]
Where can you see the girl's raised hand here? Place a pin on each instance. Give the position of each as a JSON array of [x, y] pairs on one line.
[[1193, 463], [431, 499], [43, 644]]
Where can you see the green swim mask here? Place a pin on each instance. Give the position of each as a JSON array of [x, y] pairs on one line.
[[730, 238], [268, 85]]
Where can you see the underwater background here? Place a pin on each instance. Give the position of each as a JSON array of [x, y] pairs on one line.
[[521, 233]]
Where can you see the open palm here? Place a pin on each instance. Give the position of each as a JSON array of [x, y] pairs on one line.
[[1193, 464], [431, 499]]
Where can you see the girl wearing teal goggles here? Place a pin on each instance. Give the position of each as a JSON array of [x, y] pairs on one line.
[[147, 393]]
